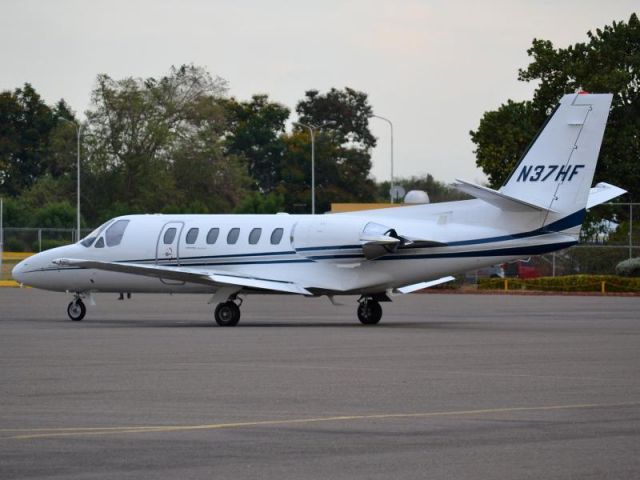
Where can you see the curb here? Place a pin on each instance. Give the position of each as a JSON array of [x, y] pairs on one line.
[[530, 293], [9, 283]]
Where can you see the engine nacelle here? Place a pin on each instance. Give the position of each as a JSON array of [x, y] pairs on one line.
[[328, 237], [342, 239]]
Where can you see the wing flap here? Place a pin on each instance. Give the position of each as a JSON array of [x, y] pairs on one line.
[[185, 274], [423, 285]]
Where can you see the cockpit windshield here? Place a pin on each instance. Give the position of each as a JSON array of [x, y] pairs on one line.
[[89, 239]]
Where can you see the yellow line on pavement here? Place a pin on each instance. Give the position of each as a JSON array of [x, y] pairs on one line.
[[81, 432]]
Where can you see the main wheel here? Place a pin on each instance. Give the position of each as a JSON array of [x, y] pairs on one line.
[[370, 312], [76, 310], [227, 314]]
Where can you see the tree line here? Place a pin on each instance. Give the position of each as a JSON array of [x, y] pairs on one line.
[[179, 144], [608, 62]]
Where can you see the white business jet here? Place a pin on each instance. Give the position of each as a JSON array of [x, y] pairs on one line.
[[375, 254]]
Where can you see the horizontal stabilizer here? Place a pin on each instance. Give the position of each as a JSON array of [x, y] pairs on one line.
[[422, 285], [497, 199], [185, 274], [603, 192]]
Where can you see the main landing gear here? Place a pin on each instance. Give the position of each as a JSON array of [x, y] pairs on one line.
[[369, 311], [227, 314], [76, 309]]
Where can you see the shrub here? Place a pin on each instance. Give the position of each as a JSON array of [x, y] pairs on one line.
[[569, 283], [629, 267]]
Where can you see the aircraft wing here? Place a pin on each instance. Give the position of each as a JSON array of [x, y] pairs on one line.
[[186, 274]]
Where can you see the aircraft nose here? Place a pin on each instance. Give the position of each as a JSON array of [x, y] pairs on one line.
[[18, 272]]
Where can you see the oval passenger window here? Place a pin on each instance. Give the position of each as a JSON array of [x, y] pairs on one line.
[[169, 235], [276, 236], [233, 235], [192, 235]]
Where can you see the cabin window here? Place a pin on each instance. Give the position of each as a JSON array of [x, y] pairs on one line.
[[212, 236], [192, 235], [254, 236], [276, 236], [233, 235], [169, 236], [115, 232], [100, 243]]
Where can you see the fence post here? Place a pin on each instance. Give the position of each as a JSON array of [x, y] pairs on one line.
[[630, 230], [602, 287], [39, 239], [506, 284], [553, 264], [1, 234]]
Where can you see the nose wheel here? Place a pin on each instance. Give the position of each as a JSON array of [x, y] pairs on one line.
[[369, 311], [227, 314], [76, 310]]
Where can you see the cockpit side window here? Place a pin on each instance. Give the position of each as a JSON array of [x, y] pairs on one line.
[[100, 243], [115, 232], [89, 239]]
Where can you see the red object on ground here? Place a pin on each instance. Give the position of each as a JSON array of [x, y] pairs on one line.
[[525, 271]]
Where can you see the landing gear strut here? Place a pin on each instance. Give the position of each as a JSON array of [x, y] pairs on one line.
[[227, 314], [369, 311], [76, 309]]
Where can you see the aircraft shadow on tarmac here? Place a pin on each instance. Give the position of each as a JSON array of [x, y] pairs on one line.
[[133, 323]]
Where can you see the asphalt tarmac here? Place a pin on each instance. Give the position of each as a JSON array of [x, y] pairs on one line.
[[447, 386]]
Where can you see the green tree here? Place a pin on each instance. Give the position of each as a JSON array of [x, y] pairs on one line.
[[342, 146], [257, 202], [346, 112], [27, 125], [156, 144], [255, 134], [503, 136], [609, 61]]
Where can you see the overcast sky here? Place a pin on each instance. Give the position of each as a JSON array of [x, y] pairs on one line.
[[432, 66]]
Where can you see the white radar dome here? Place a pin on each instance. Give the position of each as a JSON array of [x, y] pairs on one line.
[[416, 197]]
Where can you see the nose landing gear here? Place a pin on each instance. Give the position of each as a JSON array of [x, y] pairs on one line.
[[76, 309], [369, 311]]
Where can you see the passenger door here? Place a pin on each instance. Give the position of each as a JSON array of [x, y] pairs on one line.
[[167, 247]]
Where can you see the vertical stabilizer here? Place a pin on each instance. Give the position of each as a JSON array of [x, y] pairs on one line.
[[557, 170]]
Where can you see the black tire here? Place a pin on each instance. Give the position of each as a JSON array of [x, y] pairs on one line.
[[369, 313], [76, 310], [227, 314]]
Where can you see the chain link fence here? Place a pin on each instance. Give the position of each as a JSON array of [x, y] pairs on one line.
[[19, 243], [605, 242]]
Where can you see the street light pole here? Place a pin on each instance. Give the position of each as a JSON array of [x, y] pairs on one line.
[[78, 128], [313, 164], [391, 127]]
